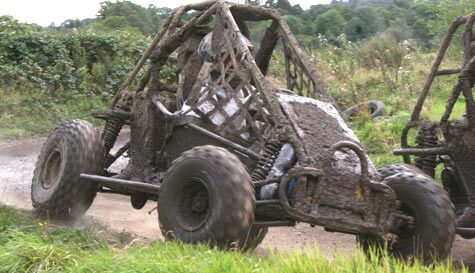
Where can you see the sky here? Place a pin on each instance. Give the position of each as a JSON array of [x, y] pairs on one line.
[[44, 12]]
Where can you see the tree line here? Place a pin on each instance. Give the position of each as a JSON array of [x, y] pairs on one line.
[[422, 21]]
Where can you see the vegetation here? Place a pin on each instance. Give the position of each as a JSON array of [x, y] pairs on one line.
[[30, 245], [359, 20], [51, 74], [47, 75], [147, 20]]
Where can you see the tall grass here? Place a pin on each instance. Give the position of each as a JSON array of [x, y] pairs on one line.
[[33, 112], [30, 245], [383, 68]]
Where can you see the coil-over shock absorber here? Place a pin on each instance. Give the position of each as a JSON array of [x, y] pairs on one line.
[[271, 151], [427, 138], [115, 119], [111, 131]]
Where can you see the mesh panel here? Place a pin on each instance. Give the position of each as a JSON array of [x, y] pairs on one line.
[[226, 94], [298, 79]]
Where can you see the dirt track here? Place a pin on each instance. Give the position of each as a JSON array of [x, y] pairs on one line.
[[17, 159]]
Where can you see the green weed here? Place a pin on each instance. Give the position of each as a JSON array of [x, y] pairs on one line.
[[31, 245], [32, 112]]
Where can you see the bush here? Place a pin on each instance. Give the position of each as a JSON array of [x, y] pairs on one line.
[[65, 63]]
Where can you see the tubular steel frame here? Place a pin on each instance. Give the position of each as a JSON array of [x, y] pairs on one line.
[[258, 119], [463, 86]]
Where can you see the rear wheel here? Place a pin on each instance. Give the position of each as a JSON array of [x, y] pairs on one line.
[[426, 229], [73, 148], [207, 197]]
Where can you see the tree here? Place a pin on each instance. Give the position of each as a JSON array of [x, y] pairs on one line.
[[391, 13], [296, 10], [421, 17], [114, 23], [369, 22], [405, 4], [147, 20], [331, 24], [295, 24], [313, 12], [448, 10], [270, 3], [284, 6], [71, 23], [344, 10], [356, 29]]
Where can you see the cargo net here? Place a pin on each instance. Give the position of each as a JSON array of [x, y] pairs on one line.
[[226, 93]]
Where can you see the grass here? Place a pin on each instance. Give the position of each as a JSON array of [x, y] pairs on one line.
[[382, 135], [25, 113], [31, 245], [351, 84]]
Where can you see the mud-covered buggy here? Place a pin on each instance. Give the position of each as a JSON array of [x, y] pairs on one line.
[[450, 141], [228, 154]]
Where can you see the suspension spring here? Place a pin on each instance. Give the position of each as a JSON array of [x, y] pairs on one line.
[[427, 138], [109, 135], [271, 151], [111, 131]]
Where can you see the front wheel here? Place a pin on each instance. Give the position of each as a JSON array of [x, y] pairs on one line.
[[72, 148], [207, 197], [426, 229]]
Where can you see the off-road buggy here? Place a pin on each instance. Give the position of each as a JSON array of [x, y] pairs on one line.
[[449, 142], [227, 154]]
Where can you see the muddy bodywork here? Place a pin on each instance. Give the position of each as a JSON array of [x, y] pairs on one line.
[[449, 141], [343, 184], [229, 102]]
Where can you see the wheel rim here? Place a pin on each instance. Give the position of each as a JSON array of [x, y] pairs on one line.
[[51, 169], [193, 204]]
